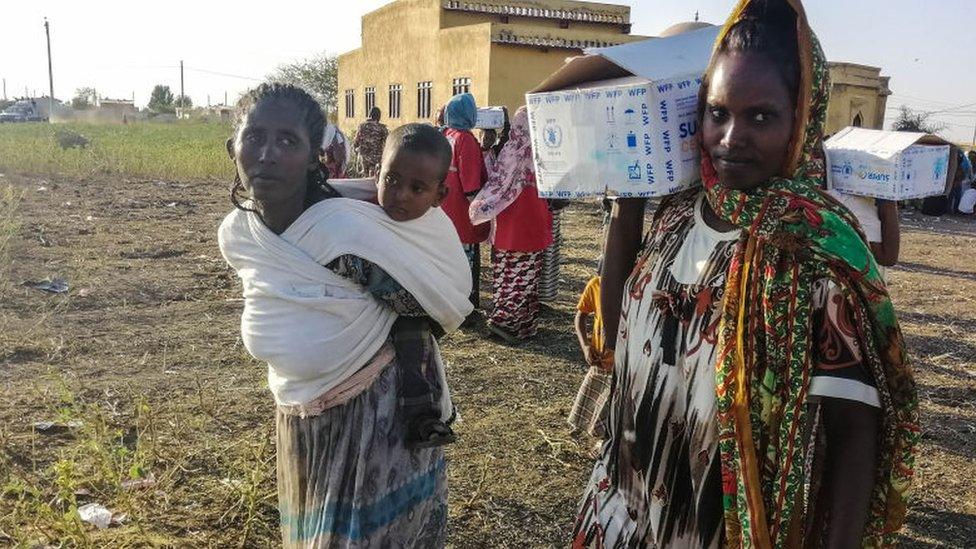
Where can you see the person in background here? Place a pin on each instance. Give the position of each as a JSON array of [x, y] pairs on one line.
[[336, 152], [964, 180], [466, 177], [590, 408], [489, 137], [492, 142], [521, 231], [369, 143], [552, 259], [439, 118], [880, 223], [967, 195]]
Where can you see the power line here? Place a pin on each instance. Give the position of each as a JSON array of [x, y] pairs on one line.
[[922, 99], [186, 67], [944, 108], [228, 75], [967, 105]]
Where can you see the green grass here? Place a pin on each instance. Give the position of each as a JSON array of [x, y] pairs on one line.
[[183, 150], [9, 225]]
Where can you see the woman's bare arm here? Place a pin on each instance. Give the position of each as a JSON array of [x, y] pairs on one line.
[[886, 251], [852, 452], [620, 253]]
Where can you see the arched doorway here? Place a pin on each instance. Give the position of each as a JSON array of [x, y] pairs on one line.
[[858, 121]]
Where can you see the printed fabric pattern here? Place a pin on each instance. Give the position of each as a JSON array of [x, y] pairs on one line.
[[796, 235]]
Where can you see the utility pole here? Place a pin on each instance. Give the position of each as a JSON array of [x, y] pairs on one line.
[[182, 96], [4, 89], [50, 71], [225, 98]]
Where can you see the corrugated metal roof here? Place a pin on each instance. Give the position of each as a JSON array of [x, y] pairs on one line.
[[527, 9]]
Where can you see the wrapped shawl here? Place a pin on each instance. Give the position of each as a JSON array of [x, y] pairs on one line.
[[461, 112], [315, 328], [796, 234], [513, 172]]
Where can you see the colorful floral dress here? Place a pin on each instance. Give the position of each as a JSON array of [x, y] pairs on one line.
[[658, 482]]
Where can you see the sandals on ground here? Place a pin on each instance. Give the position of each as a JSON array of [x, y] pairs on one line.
[[430, 433]]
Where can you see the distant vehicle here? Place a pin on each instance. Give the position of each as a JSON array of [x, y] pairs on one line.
[[25, 110]]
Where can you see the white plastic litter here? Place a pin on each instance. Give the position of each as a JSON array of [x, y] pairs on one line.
[[95, 513]]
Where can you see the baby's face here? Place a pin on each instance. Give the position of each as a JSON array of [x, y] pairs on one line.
[[409, 184]]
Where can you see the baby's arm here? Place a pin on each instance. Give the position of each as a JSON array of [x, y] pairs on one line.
[[383, 287], [581, 330]]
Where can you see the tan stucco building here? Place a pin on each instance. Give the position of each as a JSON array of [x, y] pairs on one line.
[[858, 97], [416, 54]]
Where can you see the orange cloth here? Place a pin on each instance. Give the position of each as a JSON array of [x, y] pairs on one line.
[[589, 303]]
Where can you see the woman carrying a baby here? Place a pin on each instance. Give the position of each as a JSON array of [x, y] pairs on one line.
[[326, 276]]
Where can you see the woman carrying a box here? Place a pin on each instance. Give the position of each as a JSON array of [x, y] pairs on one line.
[[465, 178], [761, 393], [520, 233], [879, 222]]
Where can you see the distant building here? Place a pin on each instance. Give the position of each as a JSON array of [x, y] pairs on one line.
[[858, 93], [223, 113], [858, 97], [417, 54], [117, 109]]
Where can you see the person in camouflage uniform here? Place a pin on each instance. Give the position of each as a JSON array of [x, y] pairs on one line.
[[370, 140]]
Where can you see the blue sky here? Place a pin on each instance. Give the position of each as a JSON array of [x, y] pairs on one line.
[[927, 47]]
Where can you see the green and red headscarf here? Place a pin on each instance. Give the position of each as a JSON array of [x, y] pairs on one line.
[[796, 235]]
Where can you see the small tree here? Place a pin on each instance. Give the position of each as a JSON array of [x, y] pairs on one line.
[[161, 100], [183, 102], [85, 98], [916, 121], [318, 75]]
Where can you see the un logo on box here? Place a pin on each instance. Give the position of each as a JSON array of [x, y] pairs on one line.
[[553, 135]]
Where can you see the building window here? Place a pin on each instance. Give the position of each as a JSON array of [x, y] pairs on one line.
[[350, 103], [370, 99], [395, 93], [461, 85], [423, 99]]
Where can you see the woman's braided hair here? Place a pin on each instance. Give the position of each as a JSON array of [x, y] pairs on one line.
[[314, 121]]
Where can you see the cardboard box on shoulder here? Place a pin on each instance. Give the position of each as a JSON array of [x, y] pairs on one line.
[[887, 164], [490, 118], [621, 120]]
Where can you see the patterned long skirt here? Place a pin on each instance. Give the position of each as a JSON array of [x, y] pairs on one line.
[[346, 480], [549, 281], [516, 291]]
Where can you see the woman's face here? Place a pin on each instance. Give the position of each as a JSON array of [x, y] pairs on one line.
[[488, 139], [273, 152], [748, 120]]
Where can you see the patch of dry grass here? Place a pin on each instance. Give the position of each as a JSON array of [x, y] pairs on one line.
[[144, 351]]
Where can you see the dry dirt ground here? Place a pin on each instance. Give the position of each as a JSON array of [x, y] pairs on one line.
[[141, 364]]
